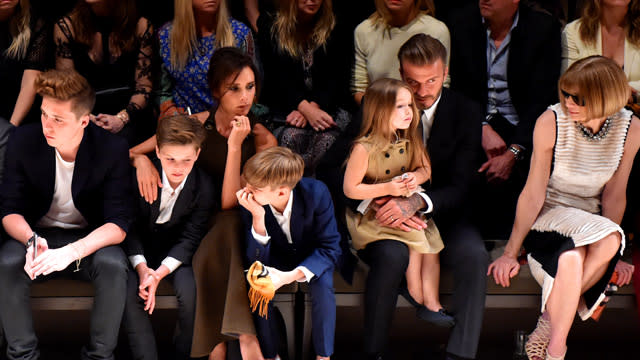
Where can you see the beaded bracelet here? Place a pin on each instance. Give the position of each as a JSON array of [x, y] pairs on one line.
[[123, 115]]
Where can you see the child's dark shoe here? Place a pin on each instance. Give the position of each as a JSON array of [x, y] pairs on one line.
[[438, 318]]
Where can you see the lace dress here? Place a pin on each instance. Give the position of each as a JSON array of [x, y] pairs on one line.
[[571, 214]]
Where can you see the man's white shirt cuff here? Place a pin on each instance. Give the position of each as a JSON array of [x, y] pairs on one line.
[[307, 274], [427, 199], [171, 263], [136, 260], [364, 205]]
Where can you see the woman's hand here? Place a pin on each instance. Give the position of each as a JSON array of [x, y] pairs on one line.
[[625, 273], [147, 176], [504, 268], [110, 123], [317, 118], [241, 127], [295, 118]]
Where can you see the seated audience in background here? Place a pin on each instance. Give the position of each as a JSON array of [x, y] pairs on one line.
[[187, 43], [111, 46], [65, 206], [609, 28], [291, 228], [569, 212], [165, 236], [378, 39], [451, 132], [389, 159], [305, 76], [503, 52], [233, 136]]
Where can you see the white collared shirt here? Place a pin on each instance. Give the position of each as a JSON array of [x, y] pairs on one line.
[[427, 120], [284, 220], [168, 199]]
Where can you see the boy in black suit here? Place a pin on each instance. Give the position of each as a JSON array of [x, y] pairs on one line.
[[166, 234], [68, 201], [291, 227]]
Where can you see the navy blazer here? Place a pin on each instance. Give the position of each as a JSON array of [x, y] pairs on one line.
[[314, 233], [101, 184], [533, 67], [180, 236]]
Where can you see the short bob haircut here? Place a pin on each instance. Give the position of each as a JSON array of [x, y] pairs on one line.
[[274, 167], [227, 63], [180, 130], [67, 85], [600, 82]]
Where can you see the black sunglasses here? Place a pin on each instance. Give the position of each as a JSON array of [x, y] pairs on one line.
[[576, 99]]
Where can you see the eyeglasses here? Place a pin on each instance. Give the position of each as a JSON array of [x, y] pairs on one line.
[[576, 99]]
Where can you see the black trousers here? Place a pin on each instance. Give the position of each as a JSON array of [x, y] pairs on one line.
[[138, 325], [106, 269], [464, 254]]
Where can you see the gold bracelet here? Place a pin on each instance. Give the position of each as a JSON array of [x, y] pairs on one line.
[[123, 115]]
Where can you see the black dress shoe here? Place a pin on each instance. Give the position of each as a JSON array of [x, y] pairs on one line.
[[438, 318]]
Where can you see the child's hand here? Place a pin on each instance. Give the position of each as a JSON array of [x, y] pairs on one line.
[[245, 198], [410, 181], [396, 187]]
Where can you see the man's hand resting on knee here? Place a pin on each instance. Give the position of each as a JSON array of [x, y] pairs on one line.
[[399, 212]]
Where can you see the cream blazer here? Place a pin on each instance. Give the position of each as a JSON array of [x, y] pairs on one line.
[[573, 49]]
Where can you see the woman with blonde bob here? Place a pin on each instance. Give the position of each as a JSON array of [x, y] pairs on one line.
[[569, 211], [199, 27], [305, 76], [378, 39], [610, 28]]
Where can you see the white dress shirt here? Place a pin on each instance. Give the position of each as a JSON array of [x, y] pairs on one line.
[[284, 220], [168, 198]]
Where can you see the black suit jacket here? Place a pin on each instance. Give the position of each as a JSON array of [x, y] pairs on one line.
[[101, 184], [455, 150], [533, 67], [180, 236]]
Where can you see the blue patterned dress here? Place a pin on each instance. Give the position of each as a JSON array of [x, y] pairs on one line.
[[188, 86]]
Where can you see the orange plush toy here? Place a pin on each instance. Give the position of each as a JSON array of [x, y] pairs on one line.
[[261, 289]]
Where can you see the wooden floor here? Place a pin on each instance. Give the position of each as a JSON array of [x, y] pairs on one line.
[[616, 336]]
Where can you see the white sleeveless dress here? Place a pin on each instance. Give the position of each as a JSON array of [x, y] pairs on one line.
[[571, 214]]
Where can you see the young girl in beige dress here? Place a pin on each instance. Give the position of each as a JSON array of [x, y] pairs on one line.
[[389, 159]]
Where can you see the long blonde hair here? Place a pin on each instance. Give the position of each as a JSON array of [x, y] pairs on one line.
[[183, 39], [590, 21], [382, 16], [286, 34], [378, 108], [20, 29]]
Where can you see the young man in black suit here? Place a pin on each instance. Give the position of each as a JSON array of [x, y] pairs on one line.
[[66, 197], [451, 130], [505, 56], [165, 235]]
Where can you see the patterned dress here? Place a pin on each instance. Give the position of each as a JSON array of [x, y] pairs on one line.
[[571, 214], [189, 86], [394, 160]]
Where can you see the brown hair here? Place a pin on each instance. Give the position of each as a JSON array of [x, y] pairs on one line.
[[382, 16], [285, 31], [67, 85], [225, 63], [600, 82], [422, 49], [274, 167], [591, 16], [377, 110], [125, 26], [180, 130]]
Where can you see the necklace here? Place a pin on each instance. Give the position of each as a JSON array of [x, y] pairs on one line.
[[590, 136]]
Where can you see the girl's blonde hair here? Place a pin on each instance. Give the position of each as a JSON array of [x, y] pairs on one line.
[[382, 16], [183, 39], [286, 34], [591, 16], [599, 82], [20, 30], [378, 108]]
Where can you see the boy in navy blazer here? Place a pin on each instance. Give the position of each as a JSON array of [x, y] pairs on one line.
[[166, 234], [66, 195], [291, 228]]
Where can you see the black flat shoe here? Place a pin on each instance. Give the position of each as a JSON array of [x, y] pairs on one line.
[[438, 318], [404, 292]]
